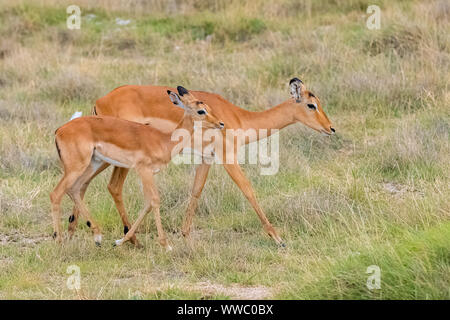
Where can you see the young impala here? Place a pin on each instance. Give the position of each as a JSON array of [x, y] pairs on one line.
[[147, 105], [88, 144]]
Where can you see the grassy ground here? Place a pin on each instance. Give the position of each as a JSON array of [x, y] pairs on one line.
[[375, 194]]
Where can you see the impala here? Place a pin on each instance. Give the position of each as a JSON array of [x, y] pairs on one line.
[[148, 105], [88, 144]]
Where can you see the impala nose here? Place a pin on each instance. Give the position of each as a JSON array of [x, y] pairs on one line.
[[332, 129], [221, 124]]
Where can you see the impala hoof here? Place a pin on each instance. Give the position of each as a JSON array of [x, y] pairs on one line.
[[57, 237], [283, 245], [185, 234], [137, 245], [98, 240]]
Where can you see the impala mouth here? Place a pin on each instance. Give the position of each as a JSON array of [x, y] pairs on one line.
[[326, 133]]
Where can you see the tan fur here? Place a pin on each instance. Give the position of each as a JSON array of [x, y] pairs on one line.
[[86, 143], [143, 103]]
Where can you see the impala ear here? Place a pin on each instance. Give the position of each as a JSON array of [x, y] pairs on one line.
[[182, 91], [296, 88], [176, 99]]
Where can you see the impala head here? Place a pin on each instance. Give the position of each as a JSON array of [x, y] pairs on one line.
[[308, 109], [196, 109]]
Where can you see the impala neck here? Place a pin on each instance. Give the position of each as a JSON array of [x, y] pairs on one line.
[[277, 117], [186, 124]]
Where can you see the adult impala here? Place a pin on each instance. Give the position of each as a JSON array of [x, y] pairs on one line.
[[148, 105], [88, 144]]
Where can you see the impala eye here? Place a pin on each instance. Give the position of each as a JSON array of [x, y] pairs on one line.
[[201, 112], [311, 106]]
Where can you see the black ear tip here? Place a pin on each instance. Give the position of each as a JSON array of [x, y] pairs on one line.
[[182, 91], [295, 80]]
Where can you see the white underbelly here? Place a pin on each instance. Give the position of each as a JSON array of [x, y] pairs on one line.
[[122, 158], [100, 157]]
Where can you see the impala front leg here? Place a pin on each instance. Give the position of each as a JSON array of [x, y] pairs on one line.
[[131, 233], [115, 188], [200, 178], [152, 201], [235, 172]]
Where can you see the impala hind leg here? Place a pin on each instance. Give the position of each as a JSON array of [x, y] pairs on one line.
[[75, 192], [56, 197], [76, 197], [73, 219], [200, 178], [115, 188], [235, 172]]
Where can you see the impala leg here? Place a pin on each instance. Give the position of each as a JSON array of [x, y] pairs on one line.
[[76, 196], [151, 202], [73, 219], [115, 188], [235, 172], [200, 178], [75, 193], [56, 196], [132, 231], [162, 238]]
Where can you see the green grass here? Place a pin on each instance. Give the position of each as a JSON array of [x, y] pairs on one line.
[[374, 194], [414, 268]]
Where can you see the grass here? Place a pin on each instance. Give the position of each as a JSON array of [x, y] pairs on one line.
[[374, 194]]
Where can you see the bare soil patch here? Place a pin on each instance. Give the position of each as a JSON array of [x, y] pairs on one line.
[[22, 239], [234, 291], [398, 189]]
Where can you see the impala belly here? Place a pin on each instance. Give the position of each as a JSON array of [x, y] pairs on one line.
[[96, 162], [115, 156], [98, 157]]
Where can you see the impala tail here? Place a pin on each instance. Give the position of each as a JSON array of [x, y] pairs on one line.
[[77, 114], [58, 149]]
